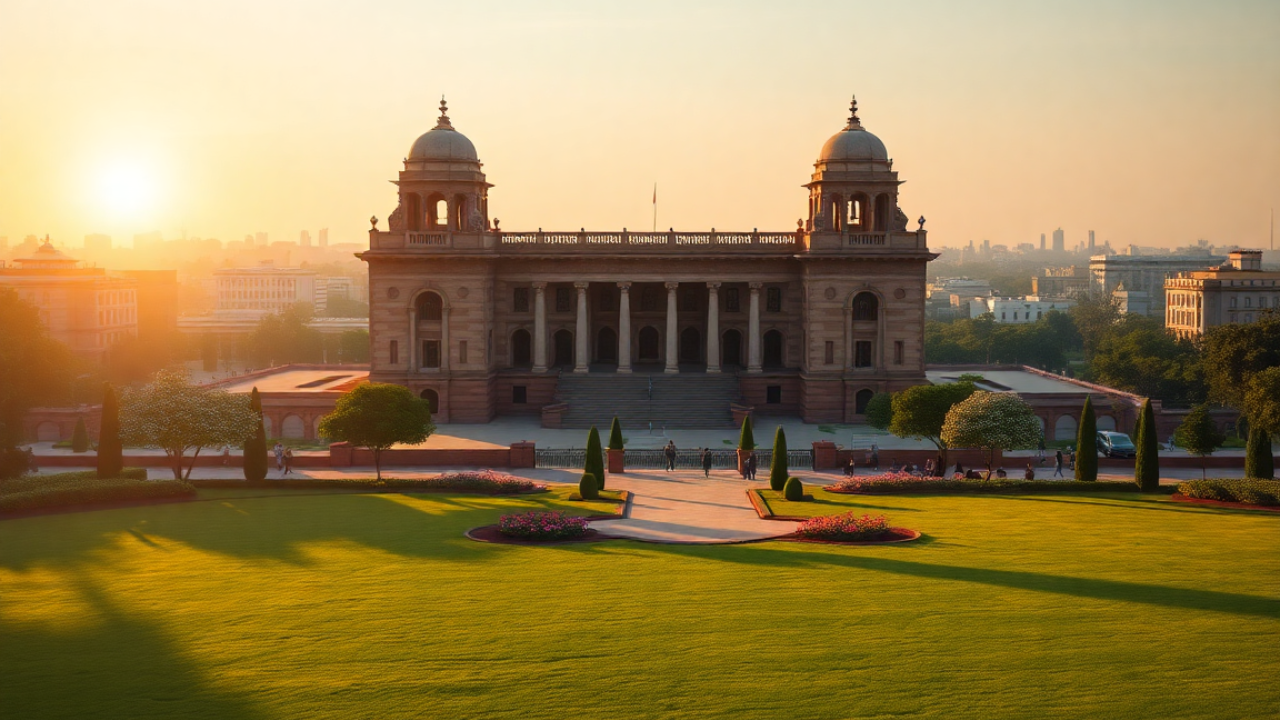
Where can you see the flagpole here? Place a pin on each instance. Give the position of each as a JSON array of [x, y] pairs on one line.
[[655, 207]]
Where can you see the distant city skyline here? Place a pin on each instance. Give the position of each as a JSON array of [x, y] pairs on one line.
[[1151, 124]]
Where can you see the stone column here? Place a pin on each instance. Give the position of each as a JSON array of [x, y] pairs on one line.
[[713, 327], [580, 336], [444, 339], [673, 346], [624, 327], [540, 327], [753, 331], [413, 340]]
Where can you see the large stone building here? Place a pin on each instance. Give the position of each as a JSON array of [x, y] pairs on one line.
[[484, 321], [1140, 278], [1240, 291]]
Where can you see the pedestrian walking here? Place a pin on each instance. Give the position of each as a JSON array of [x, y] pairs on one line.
[[670, 452], [1030, 474], [875, 457], [928, 467], [1072, 458], [1057, 464], [706, 462], [1040, 451], [751, 466], [278, 450], [288, 460]]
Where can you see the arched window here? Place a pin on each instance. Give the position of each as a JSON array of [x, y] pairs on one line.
[[433, 399], [866, 306], [647, 344], [773, 349], [520, 344], [690, 345], [437, 212], [1065, 428], [293, 428], [430, 307], [881, 220], [861, 400], [606, 345]]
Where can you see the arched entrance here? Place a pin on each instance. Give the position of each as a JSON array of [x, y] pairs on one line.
[[293, 428], [690, 347], [773, 349], [432, 397], [521, 356], [866, 307], [1106, 422], [606, 346], [861, 400], [731, 349], [563, 340], [647, 344], [1064, 428]]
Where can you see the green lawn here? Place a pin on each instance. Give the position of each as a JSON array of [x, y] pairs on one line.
[[351, 606]]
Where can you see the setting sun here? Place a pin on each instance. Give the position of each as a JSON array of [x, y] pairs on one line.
[[128, 189]]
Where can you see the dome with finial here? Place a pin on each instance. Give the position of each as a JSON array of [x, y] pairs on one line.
[[854, 144], [442, 143]]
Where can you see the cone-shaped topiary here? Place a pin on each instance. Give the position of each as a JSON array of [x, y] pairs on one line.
[[778, 466], [255, 446], [110, 452], [747, 440], [1258, 461], [793, 490], [588, 488], [615, 435], [80, 437], [1087, 444], [1146, 469], [594, 463]]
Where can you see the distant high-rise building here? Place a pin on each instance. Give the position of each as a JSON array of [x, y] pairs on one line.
[[97, 243], [1059, 241], [324, 237], [1041, 241], [1090, 239], [260, 239], [305, 239]]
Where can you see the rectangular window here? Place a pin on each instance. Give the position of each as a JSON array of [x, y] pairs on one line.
[[564, 299], [395, 352], [899, 351], [773, 299], [430, 353], [519, 394], [773, 394], [462, 352], [732, 301], [862, 353], [829, 353], [648, 299], [520, 300], [687, 299]]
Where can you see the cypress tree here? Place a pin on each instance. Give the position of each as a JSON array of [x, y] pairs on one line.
[[747, 440], [1146, 469], [80, 437], [1087, 444], [110, 452], [255, 446], [1258, 461], [594, 464], [615, 435], [778, 466]]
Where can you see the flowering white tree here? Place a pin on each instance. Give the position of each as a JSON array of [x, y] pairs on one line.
[[176, 416], [991, 421]]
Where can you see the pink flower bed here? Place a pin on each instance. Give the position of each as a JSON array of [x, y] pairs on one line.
[[543, 525], [859, 482], [483, 481], [843, 527]]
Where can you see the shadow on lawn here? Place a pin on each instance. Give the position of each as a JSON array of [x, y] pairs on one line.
[[114, 665], [1146, 504]]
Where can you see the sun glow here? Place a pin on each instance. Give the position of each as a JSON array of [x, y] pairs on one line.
[[128, 189]]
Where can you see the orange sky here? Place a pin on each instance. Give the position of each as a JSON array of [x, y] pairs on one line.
[[1154, 123]]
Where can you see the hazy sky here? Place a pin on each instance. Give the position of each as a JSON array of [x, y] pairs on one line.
[[1153, 123]]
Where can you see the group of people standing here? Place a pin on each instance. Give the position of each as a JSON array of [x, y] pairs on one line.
[[284, 458], [706, 459]]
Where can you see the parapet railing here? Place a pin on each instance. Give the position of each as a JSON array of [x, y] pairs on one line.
[[649, 240]]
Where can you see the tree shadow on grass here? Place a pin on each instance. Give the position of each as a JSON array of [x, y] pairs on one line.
[[1145, 504], [114, 665]]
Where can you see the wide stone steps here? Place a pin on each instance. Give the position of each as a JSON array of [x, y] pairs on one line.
[[690, 400]]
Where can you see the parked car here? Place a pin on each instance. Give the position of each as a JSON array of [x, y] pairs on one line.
[[1115, 445]]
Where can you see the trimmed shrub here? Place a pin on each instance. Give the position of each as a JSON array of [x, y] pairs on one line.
[[747, 440], [1087, 444], [90, 491], [907, 484], [615, 434], [543, 525], [80, 437], [793, 490], [255, 446], [1258, 460], [778, 465], [594, 463], [845, 527], [1249, 491], [110, 450], [588, 488], [1146, 469]]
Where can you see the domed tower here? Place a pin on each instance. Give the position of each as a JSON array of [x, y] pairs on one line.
[[854, 187], [442, 187]]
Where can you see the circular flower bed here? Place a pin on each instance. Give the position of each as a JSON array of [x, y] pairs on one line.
[[849, 527], [543, 525]]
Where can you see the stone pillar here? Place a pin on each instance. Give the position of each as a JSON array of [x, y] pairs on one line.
[[540, 327], [413, 340], [713, 327], [753, 331], [580, 335], [624, 327], [444, 339], [673, 346]]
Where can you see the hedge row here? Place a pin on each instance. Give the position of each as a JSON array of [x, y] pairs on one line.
[[924, 486], [23, 483], [485, 482], [1248, 491], [89, 492]]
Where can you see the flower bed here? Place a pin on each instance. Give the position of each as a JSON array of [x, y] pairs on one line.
[[543, 525], [1247, 491], [850, 527], [906, 484]]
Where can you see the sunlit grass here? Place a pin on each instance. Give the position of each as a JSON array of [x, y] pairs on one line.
[[351, 605]]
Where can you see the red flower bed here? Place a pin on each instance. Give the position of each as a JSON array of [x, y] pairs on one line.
[[543, 525], [844, 528]]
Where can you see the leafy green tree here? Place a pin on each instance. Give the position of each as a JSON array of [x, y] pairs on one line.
[[1199, 435], [1233, 353], [1094, 315], [1259, 462], [377, 416], [1138, 356], [255, 445], [747, 439], [1146, 469], [880, 411], [34, 368], [1262, 400], [176, 416], [1087, 444], [353, 346], [110, 451], [80, 437], [920, 412], [991, 421], [615, 434], [778, 464], [285, 338], [594, 463]]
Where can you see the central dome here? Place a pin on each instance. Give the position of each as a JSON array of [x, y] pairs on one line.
[[443, 143], [853, 144]]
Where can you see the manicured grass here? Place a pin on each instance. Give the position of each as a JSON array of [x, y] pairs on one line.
[[352, 605]]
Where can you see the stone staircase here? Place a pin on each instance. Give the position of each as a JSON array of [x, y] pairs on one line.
[[685, 401]]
